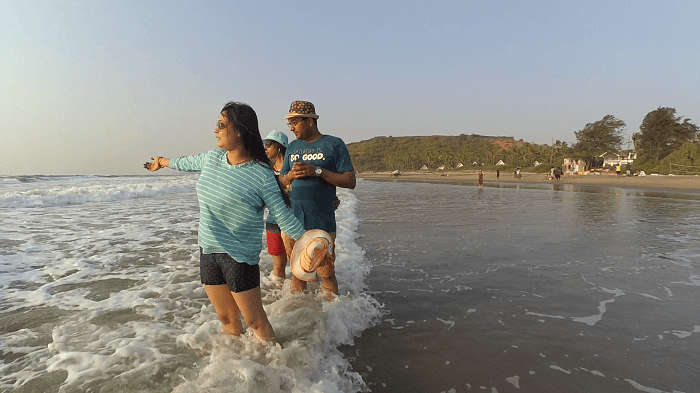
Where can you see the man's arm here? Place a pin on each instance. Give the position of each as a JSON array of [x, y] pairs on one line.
[[344, 179], [302, 170]]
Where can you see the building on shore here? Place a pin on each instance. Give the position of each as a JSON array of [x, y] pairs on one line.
[[614, 159]]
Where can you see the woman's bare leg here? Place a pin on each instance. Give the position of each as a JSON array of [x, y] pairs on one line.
[[226, 308], [250, 304]]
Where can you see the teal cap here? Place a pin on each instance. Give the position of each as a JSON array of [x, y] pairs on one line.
[[278, 137]]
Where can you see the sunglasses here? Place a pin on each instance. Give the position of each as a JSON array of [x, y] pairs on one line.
[[294, 121]]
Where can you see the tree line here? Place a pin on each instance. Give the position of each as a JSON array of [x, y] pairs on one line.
[[662, 133], [664, 138]]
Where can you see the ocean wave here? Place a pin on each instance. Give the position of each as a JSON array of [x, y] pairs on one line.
[[86, 191], [122, 307]]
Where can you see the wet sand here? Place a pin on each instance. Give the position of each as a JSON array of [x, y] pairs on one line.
[[523, 288], [681, 182]]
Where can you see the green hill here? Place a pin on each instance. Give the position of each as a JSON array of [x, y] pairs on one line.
[[412, 152]]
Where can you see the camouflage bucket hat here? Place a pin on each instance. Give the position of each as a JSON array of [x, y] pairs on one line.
[[301, 109]]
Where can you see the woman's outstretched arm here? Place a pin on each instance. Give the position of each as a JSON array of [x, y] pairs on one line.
[[158, 162], [185, 163]]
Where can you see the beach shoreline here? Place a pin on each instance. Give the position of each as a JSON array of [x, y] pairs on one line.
[[679, 183]]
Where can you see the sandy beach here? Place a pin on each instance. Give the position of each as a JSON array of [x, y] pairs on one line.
[[686, 183]]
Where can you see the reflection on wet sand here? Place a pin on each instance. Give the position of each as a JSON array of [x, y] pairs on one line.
[[537, 288]]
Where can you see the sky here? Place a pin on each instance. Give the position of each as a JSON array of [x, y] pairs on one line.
[[98, 87]]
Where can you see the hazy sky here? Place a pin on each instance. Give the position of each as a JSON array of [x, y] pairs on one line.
[[99, 87]]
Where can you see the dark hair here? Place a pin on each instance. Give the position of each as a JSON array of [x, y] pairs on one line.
[[245, 121], [281, 149]]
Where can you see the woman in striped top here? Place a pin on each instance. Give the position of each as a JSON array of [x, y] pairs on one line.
[[235, 183]]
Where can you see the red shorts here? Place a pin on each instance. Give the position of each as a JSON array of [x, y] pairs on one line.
[[275, 245]]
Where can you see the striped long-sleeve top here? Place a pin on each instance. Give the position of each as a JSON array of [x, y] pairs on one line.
[[231, 201]]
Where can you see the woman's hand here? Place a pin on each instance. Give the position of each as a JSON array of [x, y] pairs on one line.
[[158, 162]]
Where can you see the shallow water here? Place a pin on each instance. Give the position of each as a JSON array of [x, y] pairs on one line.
[[530, 289], [100, 291], [500, 289]]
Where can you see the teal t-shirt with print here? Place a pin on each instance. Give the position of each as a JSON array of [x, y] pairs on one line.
[[312, 198]]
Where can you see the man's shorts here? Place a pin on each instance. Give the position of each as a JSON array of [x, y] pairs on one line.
[[313, 215], [221, 268], [275, 245]]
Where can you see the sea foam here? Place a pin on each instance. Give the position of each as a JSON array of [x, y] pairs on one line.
[[106, 296], [74, 191]]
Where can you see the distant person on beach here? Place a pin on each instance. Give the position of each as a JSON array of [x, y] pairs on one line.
[[557, 174], [314, 165], [276, 143], [629, 170], [618, 169], [498, 173], [235, 182], [481, 178]]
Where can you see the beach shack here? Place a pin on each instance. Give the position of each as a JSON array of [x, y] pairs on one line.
[[500, 163], [615, 159], [424, 168]]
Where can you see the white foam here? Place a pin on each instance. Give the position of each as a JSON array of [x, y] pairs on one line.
[[590, 320], [117, 284], [647, 389], [555, 367], [650, 296], [514, 380], [693, 280], [76, 191], [545, 315], [684, 333], [450, 324], [669, 293]]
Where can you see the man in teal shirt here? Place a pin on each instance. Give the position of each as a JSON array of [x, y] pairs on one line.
[[314, 165]]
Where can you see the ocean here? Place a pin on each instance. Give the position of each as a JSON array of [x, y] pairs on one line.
[[530, 288], [100, 292], [444, 288]]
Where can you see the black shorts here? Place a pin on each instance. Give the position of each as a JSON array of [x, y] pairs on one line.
[[220, 268]]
